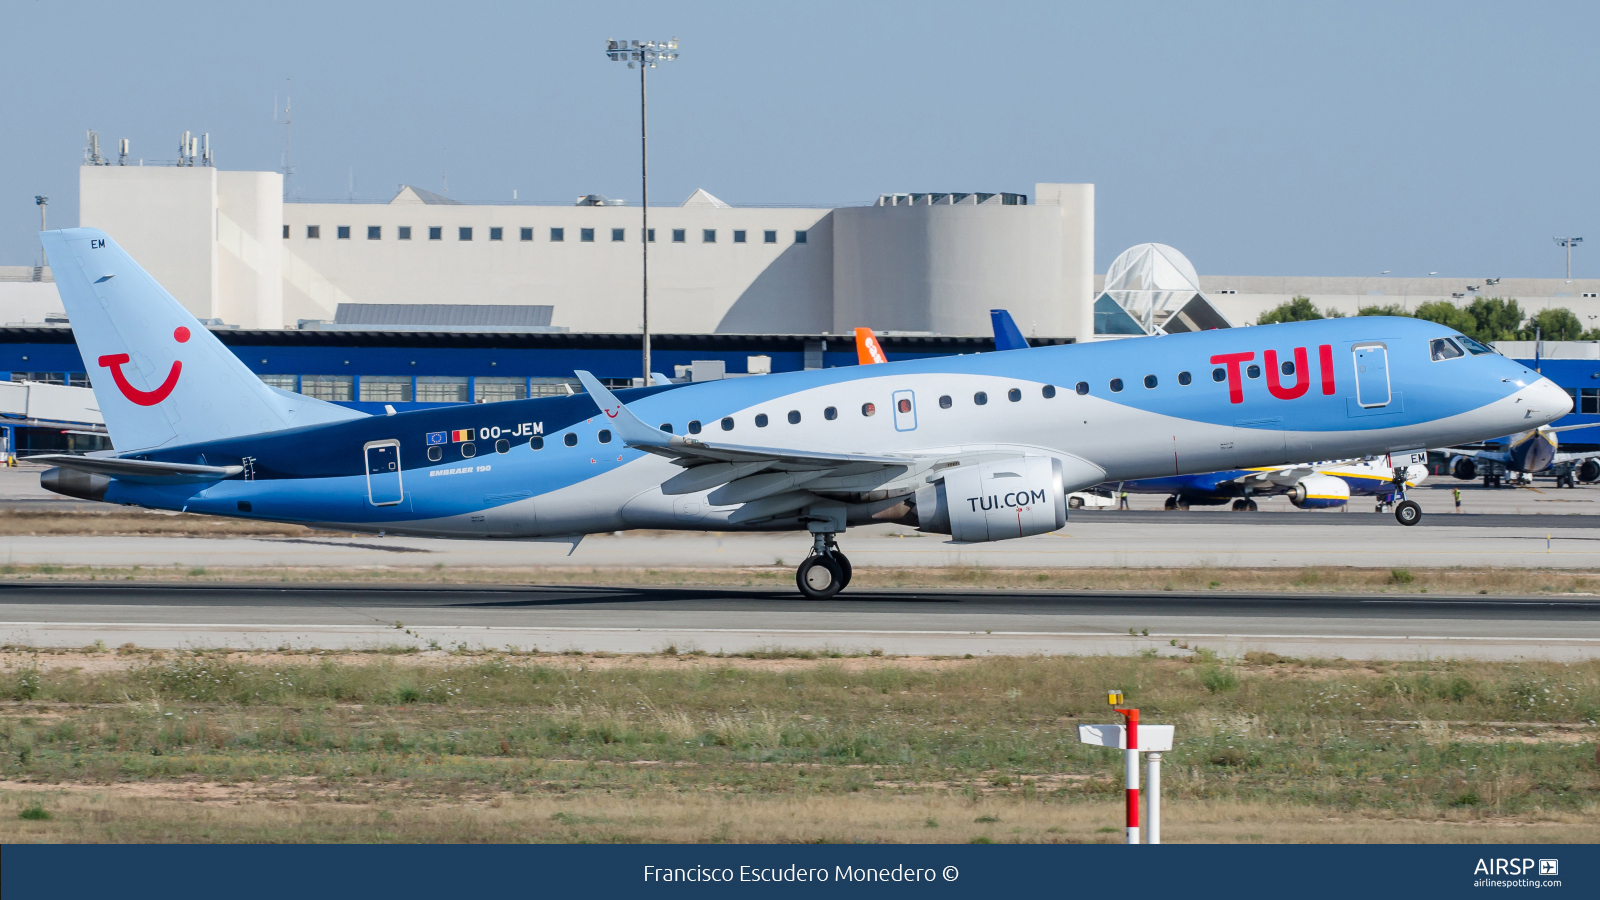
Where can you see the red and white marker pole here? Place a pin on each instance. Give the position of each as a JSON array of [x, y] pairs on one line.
[[1131, 760]]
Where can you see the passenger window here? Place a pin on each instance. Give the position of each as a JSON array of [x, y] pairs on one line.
[[1082, 388], [536, 443], [435, 454], [1287, 367], [1014, 394], [794, 417], [1444, 348], [604, 436], [727, 424], [1184, 378], [980, 398], [1150, 381], [1219, 374], [694, 426], [571, 440], [868, 409], [945, 402], [831, 413], [667, 427], [761, 421], [1116, 385], [468, 450], [904, 405], [1049, 391], [502, 446], [1253, 372]]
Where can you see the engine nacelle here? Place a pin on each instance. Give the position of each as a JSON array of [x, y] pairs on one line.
[[1589, 471], [1320, 492], [995, 501], [1464, 468]]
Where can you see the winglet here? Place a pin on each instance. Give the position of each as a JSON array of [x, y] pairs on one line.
[[659, 379], [630, 427], [1007, 336]]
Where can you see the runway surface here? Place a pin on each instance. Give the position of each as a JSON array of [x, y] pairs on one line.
[[267, 616]]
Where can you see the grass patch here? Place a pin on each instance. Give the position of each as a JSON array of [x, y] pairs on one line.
[[383, 747]]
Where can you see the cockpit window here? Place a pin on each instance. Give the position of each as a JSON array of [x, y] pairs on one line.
[[1473, 347], [1444, 348]]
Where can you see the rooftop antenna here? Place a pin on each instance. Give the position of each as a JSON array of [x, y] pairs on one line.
[[122, 152], [42, 202], [352, 182], [205, 149], [91, 153], [288, 158], [444, 176]]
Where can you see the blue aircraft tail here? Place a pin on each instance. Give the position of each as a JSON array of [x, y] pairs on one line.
[[160, 377], [1007, 336]]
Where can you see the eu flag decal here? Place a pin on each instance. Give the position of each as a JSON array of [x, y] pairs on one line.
[[463, 434], [437, 437]]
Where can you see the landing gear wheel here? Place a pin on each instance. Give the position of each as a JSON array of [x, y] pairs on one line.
[[1250, 506], [819, 578], [1074, 503], [1407, 512], [1172, 503], [845, 571], [1238, 506]]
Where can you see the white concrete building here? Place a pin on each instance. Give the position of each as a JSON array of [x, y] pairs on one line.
[[230, 249]]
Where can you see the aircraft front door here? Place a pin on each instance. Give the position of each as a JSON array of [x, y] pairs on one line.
[[383, 473], [905, 411], [1372, 374]]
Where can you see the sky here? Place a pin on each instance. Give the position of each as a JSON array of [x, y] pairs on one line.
[[1257, 138]]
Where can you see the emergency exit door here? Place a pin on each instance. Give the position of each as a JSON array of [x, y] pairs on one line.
[[383, 473], [1372, 374]]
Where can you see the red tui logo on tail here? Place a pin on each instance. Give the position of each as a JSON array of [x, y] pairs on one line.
[[115, 362]]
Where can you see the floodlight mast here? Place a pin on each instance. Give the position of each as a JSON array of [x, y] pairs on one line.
[[644, 55], [1568, 243]]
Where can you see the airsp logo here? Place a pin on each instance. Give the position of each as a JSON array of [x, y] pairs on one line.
[[1514, 867]]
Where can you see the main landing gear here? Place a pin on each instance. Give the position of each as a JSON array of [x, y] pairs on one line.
[[1406, 512], [825, 572], [1245, 505]]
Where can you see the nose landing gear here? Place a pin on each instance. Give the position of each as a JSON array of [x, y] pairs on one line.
[[825, 572]]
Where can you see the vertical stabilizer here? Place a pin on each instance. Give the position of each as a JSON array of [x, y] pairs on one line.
[[1007, 336], [160, 377]]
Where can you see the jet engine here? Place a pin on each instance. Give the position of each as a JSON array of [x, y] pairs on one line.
[[1589, 471], [1464, 468], [994, 501], [1320, 492]]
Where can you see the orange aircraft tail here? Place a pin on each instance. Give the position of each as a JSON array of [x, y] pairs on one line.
[[868, 350]]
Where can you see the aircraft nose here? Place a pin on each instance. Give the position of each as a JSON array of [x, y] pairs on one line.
[[1547, 400]]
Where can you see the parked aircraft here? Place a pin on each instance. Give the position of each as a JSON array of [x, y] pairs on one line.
[[1322, 485], [982, 447], [1524, 455]]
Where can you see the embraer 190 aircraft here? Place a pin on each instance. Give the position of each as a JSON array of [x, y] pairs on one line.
[[982, 447]]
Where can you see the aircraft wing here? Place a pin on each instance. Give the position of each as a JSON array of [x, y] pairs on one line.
[[1498, 456], [689, 451], [1570, 457], [139, 469]]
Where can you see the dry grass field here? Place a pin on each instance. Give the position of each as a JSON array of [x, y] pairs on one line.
[[133, 745]]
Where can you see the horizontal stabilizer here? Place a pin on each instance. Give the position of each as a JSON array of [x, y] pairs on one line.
[[139, 470]]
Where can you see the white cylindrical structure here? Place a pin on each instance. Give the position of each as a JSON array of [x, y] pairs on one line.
[[1153, 798]]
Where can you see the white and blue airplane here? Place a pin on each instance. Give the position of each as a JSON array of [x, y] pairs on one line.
[[982, 447]]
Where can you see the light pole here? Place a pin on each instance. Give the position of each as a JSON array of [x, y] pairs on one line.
[[1568, 243], [644, 55], [42, 202]]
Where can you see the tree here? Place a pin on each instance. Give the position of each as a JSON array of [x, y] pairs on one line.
[[1299, 309], [1392, 309], [1558, 324], [1497, 319], [1449, 315]]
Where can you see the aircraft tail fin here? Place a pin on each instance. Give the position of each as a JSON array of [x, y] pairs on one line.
[[868, 350], [160, 377], [1007, 336]]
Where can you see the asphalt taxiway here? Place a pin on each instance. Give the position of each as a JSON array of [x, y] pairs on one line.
[[268, 616]]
